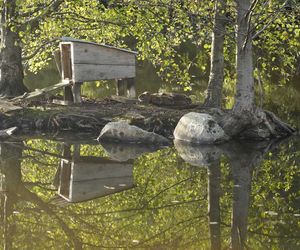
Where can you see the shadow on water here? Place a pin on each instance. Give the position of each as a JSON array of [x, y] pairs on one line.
[[151, 198]]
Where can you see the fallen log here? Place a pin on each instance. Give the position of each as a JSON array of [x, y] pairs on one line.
[[6, 106], [42, 92]]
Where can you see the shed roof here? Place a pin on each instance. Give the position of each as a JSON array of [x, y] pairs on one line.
[[70, 39]]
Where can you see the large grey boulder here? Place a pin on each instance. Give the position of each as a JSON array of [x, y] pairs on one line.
[[121, 131], [199, 128]]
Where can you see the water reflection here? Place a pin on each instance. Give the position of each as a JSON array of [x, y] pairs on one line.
[[243, 158], [198, 155], [125, 152], [84, 178], [242, 196]]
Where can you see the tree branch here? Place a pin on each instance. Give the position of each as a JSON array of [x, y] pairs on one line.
[[53, 6], [249, 17], [270, 21], [34, 11], [38, 49]]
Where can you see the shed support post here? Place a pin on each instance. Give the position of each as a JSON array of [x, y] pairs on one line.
[[76, 89], [131, 91], [76, 154], [126, 87], [68, 94], [120, 85]]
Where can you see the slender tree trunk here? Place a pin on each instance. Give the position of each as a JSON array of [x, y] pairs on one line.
[[244, 98], [216, 77], [11, 69]]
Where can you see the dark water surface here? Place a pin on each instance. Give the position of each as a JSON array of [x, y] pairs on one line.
[[74, 194], [70, 193]]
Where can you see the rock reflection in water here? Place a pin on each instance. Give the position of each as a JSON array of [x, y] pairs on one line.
[[198, 155], [125, 152]]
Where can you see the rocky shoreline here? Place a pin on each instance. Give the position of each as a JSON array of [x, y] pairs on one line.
[[91, 117]]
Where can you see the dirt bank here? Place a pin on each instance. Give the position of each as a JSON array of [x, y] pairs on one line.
[[91, 116]]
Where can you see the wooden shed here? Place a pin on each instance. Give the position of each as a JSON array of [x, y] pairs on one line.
[[81, 61]]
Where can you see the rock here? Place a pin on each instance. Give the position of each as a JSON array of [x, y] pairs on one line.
[[165, 99], [199, 128], [121, 131], [198, 155], [124, 152]]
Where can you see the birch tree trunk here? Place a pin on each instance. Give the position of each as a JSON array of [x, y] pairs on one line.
[[11, 69], [244, 98], [216, 77]]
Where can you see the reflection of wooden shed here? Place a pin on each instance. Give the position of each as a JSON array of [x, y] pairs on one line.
[[86, 178], [2, 182], [80, 61]]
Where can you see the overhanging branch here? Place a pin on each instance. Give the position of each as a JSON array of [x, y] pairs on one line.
[[52, 7], [38, 49]]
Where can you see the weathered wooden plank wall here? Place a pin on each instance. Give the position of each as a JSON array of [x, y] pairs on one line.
[[85, 53], [92, 72], [90, 62]]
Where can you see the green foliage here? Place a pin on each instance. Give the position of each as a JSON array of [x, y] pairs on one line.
[[173, 35]]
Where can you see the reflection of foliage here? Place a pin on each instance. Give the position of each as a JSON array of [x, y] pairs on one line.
[[38, 170], [92, 150], [276, 203], [167, 208]]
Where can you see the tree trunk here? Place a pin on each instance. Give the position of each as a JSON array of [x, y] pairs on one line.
[[244, 98], [216, 77], [11, 69], [246, 120]]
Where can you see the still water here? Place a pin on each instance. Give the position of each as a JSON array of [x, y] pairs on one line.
[[61, 192], [68, 193]]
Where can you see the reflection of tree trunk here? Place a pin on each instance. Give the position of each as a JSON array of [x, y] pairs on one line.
[[11, 175], [214, 193], [242, 175], [243, 159], [10, 167], [46, 208]]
